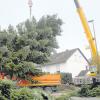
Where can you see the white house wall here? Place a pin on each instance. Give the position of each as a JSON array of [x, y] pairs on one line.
[[53, 68], [76, 63], [73, 65]]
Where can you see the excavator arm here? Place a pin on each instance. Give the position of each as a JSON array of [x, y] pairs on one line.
[[86, 29], [88, 33]]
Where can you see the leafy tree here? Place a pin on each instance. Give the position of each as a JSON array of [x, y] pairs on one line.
[[66, 78], [11, 29], [30, 43]]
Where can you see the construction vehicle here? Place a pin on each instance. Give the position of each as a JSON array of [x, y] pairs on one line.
[[44, 80], [47, 80], [94, 70]]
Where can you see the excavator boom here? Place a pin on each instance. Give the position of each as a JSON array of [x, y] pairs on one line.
[[90, 39], [86, 29]]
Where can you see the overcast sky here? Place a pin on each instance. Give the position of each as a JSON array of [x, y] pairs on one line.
[[73, 36]]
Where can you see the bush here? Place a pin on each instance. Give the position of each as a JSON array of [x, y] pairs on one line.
[[22, 94], [86, 91], [2, 97], [5, 87], [95, 92], [43, 94], [66, 78], [10, 92], [29, 94]]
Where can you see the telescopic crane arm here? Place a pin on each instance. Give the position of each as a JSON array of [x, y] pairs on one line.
[[86, 29]]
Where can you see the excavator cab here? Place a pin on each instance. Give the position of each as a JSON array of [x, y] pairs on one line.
[[92, 71]]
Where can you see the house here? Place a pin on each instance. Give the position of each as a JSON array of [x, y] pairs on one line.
[[82, 78], [71, 61]]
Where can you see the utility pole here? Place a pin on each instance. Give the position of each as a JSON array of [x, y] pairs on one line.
[[30, 7]]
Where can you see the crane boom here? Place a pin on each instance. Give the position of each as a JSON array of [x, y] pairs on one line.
[[86, 29]]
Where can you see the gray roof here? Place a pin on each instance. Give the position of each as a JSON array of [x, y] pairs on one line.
[[83, 73], [62, 57]]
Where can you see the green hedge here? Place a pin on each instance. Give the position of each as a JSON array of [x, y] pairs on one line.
[[66, 78], [24, 94], [5, 87], [9, 91], [86, 91], [30, 94], [3, 97]]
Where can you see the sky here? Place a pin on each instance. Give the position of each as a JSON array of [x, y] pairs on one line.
[[72, 36]]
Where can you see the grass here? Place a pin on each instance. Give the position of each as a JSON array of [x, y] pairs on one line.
[[67, 93]]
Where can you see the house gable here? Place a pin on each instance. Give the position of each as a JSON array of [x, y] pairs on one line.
[[59, 58], [72, 61], [76, 63]]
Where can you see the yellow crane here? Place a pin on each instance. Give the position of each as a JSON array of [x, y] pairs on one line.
[[95, 69]]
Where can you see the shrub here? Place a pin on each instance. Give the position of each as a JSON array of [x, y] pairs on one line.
[[5, 87], [66, 78], [45, 95], [22, 94], [10, 92], [95, 92], [29, 94], [2, 97], [86, 91]]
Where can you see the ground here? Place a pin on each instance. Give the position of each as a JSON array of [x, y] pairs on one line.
[[65, 92], [80, 98]]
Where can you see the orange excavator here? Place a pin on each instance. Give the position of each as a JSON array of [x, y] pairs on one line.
[[47, 80], [44, 80], [95, 68]]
